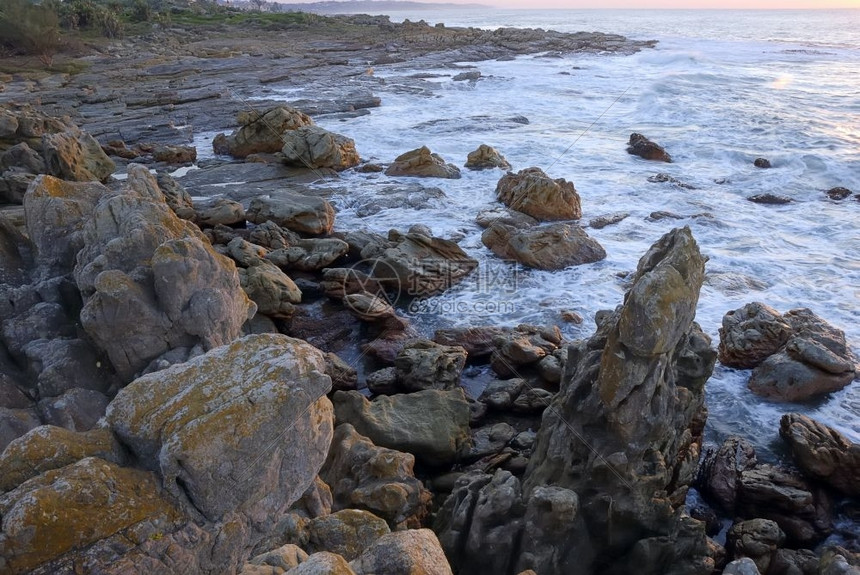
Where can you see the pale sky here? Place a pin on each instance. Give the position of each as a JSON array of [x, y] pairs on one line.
[[640, 4]]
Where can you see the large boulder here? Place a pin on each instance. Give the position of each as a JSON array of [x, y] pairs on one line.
[[822, 452], [533, 192], [751, 334], [427, 365], [485, 157], [271, 289], [315, 147], [757, 539], [302, 214], [549, 247], [151, 282], [75, 155], [433, 425], [56, 213], [48, 447], [377, 479], [411, 552], [214, 427], [720, 472], [800, 508], [802, 371], [69, 508], [260, 132], [481, 521], [347, 532], [422, 163], [794, 356], [419, 264]]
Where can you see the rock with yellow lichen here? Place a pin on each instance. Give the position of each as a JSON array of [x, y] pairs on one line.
[[49, 447], [75, 506], [245, 427]]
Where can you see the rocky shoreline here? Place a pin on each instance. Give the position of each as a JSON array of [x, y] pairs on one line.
[[179, 385]]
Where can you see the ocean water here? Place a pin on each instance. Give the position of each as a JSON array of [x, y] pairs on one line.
[[720, 89]]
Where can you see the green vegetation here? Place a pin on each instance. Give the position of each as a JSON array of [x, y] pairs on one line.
[[44, 28], [30, 29]]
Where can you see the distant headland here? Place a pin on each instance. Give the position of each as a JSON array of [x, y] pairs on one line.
[[374, 6]]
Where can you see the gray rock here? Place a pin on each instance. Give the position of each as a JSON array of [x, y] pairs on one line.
[[45, 320], [48, 447], [480, 522], [176, 196], [532, 401], [555, 539], [284, 558], [533, 192], [76, 409], [513, 218], [477, 341], [640, 376], [801, 510], [383, 381], [501, 393], [432, 425], [489, 440], [315, 147], [214, 426], [12, 395], [757, 539], [347, 533], [549, 247], [24, 158], [720, 472], [75, 155], [751, 334], [272, 236], [822, 452], [56, 213], [59, 365], [427, 365], [523, 346], [245, 253], [404, 553], [420, 265], [782, 377], [309, 255], [745, 566], [16, 422], [323, 563], [271, 289], [151, 281], [343, 376], [377, 479], [260, 132], [303, 214], [220, 212]]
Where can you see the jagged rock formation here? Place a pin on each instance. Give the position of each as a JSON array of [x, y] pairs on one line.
[[616, 450]]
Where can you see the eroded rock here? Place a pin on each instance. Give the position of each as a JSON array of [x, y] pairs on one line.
[[533, 192], [214, 427]]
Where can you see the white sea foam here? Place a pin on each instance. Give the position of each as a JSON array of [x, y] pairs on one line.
[[719, 90]]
